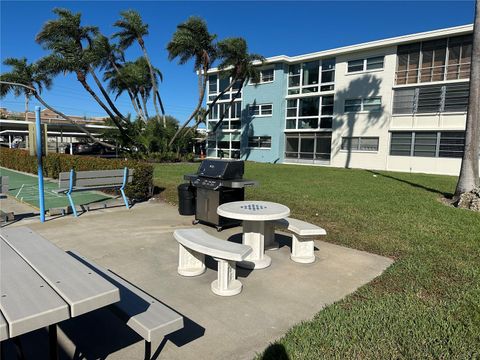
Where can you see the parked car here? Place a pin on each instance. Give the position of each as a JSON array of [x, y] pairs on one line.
[[88, 149]]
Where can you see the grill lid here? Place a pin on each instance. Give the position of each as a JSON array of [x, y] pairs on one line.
[[221, 169]]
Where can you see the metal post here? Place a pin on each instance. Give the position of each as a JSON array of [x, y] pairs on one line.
[[122, 189], [10, 141], [41, 195], [52, 339]]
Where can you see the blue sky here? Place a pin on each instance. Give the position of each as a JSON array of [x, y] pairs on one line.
[[270, 28]]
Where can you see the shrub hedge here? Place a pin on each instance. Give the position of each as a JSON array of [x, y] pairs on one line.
[[53, 164]]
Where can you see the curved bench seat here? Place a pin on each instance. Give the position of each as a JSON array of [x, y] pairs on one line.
[[194, 244]]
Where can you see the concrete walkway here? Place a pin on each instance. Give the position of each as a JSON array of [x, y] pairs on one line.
[[138, 244]]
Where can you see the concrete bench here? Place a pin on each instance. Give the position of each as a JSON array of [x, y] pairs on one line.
[[144, 314], [73, 181], [303, 234], [194, 244]]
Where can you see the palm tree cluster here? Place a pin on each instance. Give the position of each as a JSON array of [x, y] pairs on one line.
[[193, 41], [84, 52]]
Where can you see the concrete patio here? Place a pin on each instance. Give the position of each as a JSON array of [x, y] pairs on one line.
[[138, 245]]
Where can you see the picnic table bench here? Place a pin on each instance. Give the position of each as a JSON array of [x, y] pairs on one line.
[[144, 314], [73, 181], [303, 235]]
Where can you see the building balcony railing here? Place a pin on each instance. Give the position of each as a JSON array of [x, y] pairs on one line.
[[432, 73]]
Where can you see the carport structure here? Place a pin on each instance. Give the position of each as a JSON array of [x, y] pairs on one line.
[[59, 132]]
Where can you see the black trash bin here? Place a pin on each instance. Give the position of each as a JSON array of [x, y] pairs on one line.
[[186, 199]]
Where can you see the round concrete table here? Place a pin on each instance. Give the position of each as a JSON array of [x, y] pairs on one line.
[[258, 228]]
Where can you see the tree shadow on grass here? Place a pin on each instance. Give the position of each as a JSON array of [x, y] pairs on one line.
[[275, 352], [415, 185]]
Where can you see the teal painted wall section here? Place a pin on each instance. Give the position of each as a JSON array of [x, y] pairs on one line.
[[274, 126]]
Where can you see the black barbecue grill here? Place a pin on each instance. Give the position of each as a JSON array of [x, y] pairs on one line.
[[218, 182]]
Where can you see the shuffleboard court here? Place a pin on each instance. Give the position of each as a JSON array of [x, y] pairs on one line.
[[24, 188]]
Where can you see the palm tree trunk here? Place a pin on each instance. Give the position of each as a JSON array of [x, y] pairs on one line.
[[26, 106], [153, 79], [81, 79], [105, 95], [469, 177], [228, 107], [202, 85], [214, 102], [94, 139], [140, 108], [144, 101], [130, 94], [162, 109], [135, 106]]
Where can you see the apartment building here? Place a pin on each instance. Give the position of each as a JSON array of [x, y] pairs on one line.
[[395, 104]]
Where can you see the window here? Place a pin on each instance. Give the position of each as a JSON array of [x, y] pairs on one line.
[[368, 104], [360, 143], [448, 144], [308, 146], [305, 78], [373, 63], [261, 110], [452, 144], [310, 73], [260, 142], [404, 101], [434, 60], [401, 143], [309, 106], [212, 84], [355, 65], [431, 99], [425, 144], [353, 105], [456, 97], [266, 76], [328, 74], [218, 83], [309, 113]]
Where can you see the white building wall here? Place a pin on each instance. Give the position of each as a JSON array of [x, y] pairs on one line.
[[366, 84]]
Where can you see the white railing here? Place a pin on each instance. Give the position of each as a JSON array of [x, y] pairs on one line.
[[433, 73]]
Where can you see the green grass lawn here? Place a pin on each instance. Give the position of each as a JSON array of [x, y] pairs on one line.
[[426, 305]]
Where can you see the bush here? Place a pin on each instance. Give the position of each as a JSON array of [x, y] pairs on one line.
[[53, 164]]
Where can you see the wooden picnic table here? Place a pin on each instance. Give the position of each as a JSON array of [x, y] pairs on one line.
[[41, 285]]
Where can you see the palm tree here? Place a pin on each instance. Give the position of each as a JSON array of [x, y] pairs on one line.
[[192, 40], [469, 177], [111, 58], [30, 80], [132, 28], [135, 78], [65, 37], [240, 65]]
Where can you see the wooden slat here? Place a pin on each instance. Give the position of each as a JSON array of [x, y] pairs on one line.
[[99, 181], [98, 173], [146, 315], [82, 289], [3, 328], [27, 301]]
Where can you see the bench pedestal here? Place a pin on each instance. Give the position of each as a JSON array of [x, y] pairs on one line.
[[190, 262], [226, 284], [302, 249]]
